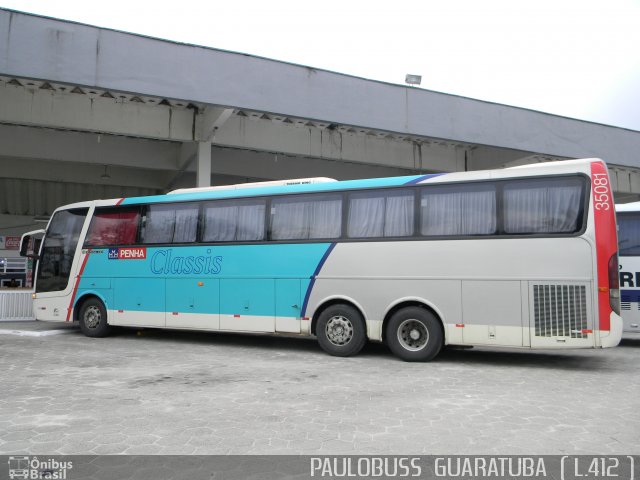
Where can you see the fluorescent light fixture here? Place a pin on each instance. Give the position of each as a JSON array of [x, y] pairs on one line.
[[413, 79]]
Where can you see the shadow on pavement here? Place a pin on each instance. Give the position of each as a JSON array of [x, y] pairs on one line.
[[630, 341], [566, 359]]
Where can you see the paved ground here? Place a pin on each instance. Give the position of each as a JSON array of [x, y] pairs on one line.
[[162, 392]]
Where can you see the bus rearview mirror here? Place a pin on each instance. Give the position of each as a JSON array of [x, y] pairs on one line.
[[25, 242], [24, 245]]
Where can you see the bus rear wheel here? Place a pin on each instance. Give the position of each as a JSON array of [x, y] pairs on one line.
[[341, 330], [93, 319], [414, 334]]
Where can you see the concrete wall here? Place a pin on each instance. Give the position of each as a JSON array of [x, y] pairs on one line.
[[43, 48]]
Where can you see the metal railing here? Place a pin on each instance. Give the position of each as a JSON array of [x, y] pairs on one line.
[[16, 305], [13, 265]]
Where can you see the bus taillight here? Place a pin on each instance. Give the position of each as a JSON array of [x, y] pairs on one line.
[[614, 284]]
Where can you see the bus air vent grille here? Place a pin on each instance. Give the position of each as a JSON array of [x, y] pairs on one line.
[[625, 305], [560, 310]]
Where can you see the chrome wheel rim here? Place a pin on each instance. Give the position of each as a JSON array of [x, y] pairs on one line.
[[92, 317], [413, 335], [339, 330]]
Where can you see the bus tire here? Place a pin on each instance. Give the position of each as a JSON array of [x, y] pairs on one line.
[[93, 319], [414, 334], [341, 330]]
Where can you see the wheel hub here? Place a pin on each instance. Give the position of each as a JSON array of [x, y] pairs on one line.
[[413, 335], [92, 317], [339, 330]]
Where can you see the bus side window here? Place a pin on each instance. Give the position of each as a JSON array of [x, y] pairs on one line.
[[542, 205], [233, 221], [306, 217], [629, 233], [381, 214], [171, 223], [113, 228], [458, 210]]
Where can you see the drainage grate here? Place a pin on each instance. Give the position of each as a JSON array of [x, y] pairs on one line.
[[560, 310]]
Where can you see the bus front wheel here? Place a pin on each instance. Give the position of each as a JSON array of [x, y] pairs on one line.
[[341, 330], [414, 334], [93, 318]]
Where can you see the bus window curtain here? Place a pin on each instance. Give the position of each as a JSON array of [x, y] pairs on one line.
[[289, 220], [159, 225], [398, 221], [458, 212], [250, 225], [366, 217], [380, 215], [220, 223], [234, 222], [300, 218], [542, 209], [171, 224], [325, 219], [186, 224]]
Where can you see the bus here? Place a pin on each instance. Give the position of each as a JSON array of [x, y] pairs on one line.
[[628, 216], [519, 257]]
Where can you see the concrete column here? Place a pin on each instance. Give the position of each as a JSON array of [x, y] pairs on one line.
[[203, 165]]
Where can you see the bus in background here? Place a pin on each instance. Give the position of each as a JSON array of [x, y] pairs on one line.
[[628, 215], [520, 257]]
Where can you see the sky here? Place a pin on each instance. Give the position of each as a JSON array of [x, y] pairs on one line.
[[575, 58]]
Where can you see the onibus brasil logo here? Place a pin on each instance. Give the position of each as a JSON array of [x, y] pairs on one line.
[[36, 469]]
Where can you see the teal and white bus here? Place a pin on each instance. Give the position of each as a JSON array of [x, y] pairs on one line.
[[522, 257]]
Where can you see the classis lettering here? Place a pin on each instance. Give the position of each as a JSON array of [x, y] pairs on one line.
[[164, 262]]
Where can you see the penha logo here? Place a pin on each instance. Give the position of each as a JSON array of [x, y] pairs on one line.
[[129, 253], [138, 253]]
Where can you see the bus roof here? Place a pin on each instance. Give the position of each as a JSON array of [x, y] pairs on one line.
[[284, 187], [240, 186], [278, 189], [628, 207]]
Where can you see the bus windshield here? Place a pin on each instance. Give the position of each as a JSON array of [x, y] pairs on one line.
[[629, 233], [58, 250]]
